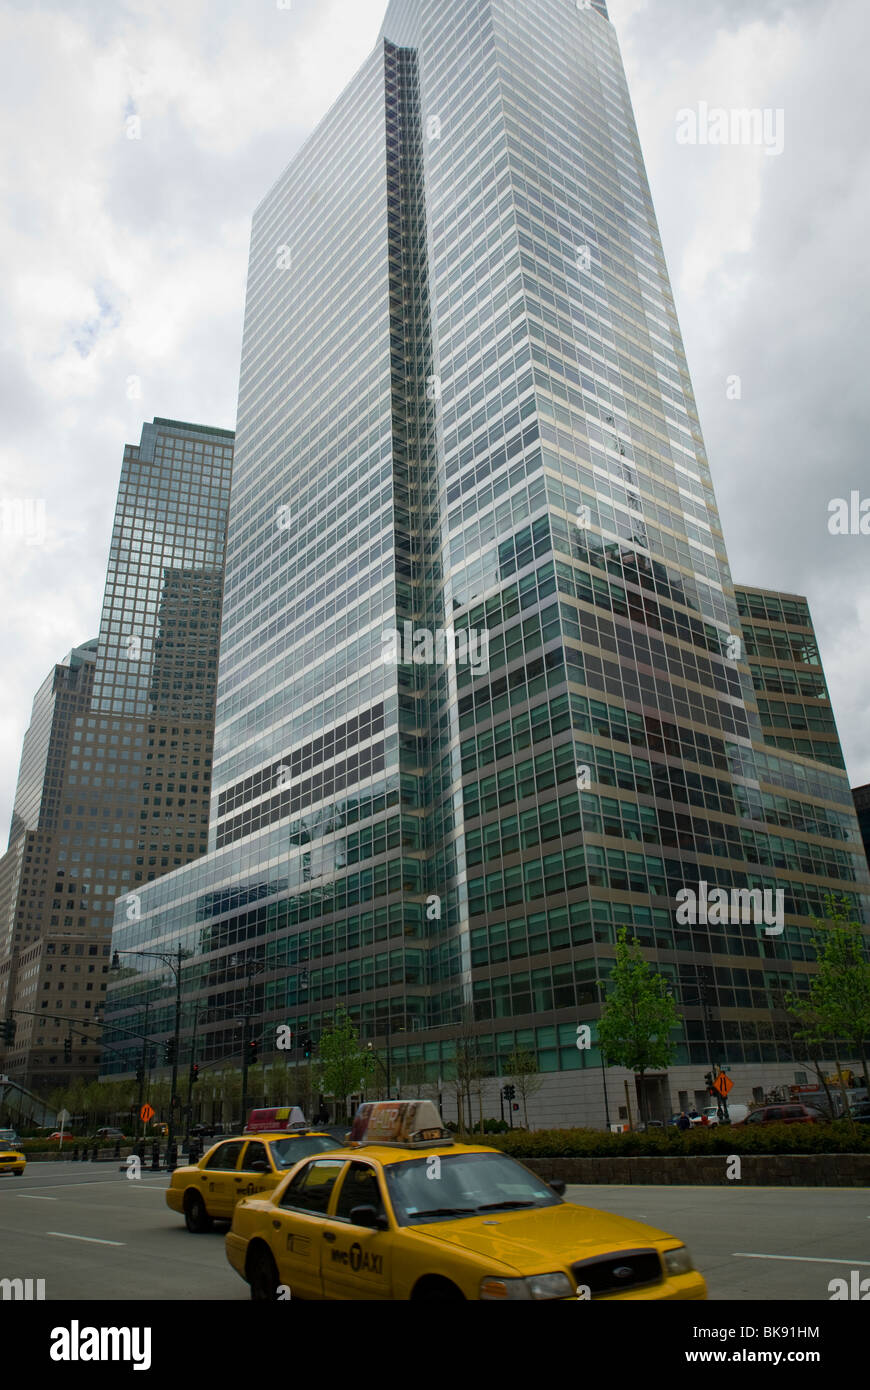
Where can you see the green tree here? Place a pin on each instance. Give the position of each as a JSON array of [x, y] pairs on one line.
[[639, 1013], [343, 1063], [838, 1005], [522, 1068]]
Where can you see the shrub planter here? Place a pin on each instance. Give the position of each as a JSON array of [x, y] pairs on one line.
[[709, 1170]]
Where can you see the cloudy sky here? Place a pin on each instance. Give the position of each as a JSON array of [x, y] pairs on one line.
[[126, 258]]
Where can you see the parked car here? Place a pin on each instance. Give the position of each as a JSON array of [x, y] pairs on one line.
[[67, 1137], [789, 1114], [109, 1135], [9, 1136], [861, 1112]]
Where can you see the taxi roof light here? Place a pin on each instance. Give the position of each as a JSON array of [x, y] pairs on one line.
[[402, 1124]]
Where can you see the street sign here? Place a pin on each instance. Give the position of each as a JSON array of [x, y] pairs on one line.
[[63, 1118], [146, 1113], [723, 1084]]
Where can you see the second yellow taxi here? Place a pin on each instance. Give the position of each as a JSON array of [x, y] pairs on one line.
[[252, 1163], [403, 1212]]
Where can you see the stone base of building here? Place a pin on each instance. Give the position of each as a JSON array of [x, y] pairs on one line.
[[577, 1098]]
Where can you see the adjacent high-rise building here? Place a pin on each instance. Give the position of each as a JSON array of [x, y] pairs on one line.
[[861, 797], [115, 775], [486, 692]]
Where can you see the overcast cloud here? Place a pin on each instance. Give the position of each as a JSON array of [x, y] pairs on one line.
[[126, 258]]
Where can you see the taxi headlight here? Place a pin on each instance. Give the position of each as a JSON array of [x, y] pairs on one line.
[[538, 1286], [678, 1261]]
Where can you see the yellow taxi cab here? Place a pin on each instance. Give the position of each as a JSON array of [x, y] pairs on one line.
[[403, 1212], [12, 1160], [232, 1168]]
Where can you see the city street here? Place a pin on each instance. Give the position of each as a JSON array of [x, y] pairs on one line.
[[92, 1233]]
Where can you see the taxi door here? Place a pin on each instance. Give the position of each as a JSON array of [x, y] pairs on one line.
[[217, 1179], [297, 1225], [249, 1182], [356, 1261]]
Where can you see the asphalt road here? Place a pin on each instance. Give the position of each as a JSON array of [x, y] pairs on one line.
[[754, 1242], [93, 1233]]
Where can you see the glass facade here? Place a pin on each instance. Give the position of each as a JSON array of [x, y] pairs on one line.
[[465, 408], [115, 780]]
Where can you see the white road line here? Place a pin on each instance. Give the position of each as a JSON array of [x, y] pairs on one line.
[[54, 1186], [31, 1197], [92, 1240], [804, 1259]]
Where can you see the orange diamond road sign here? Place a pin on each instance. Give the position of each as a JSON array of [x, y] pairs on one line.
[[146, 1113], [723, 1084]]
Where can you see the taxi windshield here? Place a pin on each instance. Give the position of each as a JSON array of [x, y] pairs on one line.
[[463, 1185], [288, 1151]]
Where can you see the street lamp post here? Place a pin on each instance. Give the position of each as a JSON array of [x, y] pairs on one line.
[[251, 970], [604, 1070], [198, 1013], [174, 960]]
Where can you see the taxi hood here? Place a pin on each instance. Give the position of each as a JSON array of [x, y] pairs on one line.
[[534, 1241]]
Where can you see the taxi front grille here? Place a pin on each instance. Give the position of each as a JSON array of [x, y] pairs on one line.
[[629, 1269]]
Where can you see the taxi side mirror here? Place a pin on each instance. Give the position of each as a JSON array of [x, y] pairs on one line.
[[558, 1186], [368, 1216], [259, 1166]]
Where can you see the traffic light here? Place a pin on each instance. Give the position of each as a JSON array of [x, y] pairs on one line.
[[169, 1051], [252, 1052], [140, 1076], [7, 1030], [305, 1044], [67, 1049], [194, 1072], [509, 1092], [708, 1080]]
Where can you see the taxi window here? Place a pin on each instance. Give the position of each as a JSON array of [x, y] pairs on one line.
[[359, 1188], [290, 1151], [225, 1157], [255, 1153], [311, 1188]]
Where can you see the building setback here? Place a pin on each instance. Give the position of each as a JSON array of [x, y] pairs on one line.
[[465, 406], [115, 775]]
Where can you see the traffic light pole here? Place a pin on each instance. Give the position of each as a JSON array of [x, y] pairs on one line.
[[170, 1139], [246, 1049]]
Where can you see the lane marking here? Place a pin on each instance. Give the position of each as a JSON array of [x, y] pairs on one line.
[[91, 1240], [804, 1259], [88, 1182], [30, 1197]]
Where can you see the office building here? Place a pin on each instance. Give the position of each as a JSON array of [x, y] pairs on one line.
[[482, 699], [115, 775]]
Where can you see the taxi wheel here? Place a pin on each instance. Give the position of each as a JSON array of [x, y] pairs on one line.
[[434, 1289], [196, 1217], [263, 1276]]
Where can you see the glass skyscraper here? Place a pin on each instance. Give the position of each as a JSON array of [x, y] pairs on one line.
[[115, 775], [465, 409]]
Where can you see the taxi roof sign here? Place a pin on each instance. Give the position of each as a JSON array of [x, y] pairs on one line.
[[284, 1117], [399, 1123]]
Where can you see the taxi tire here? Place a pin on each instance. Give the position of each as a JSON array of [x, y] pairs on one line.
[[432, 1288], [196, 1216], [262, 1275]]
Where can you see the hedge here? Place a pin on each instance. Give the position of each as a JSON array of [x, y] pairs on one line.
[[839, 1137]]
